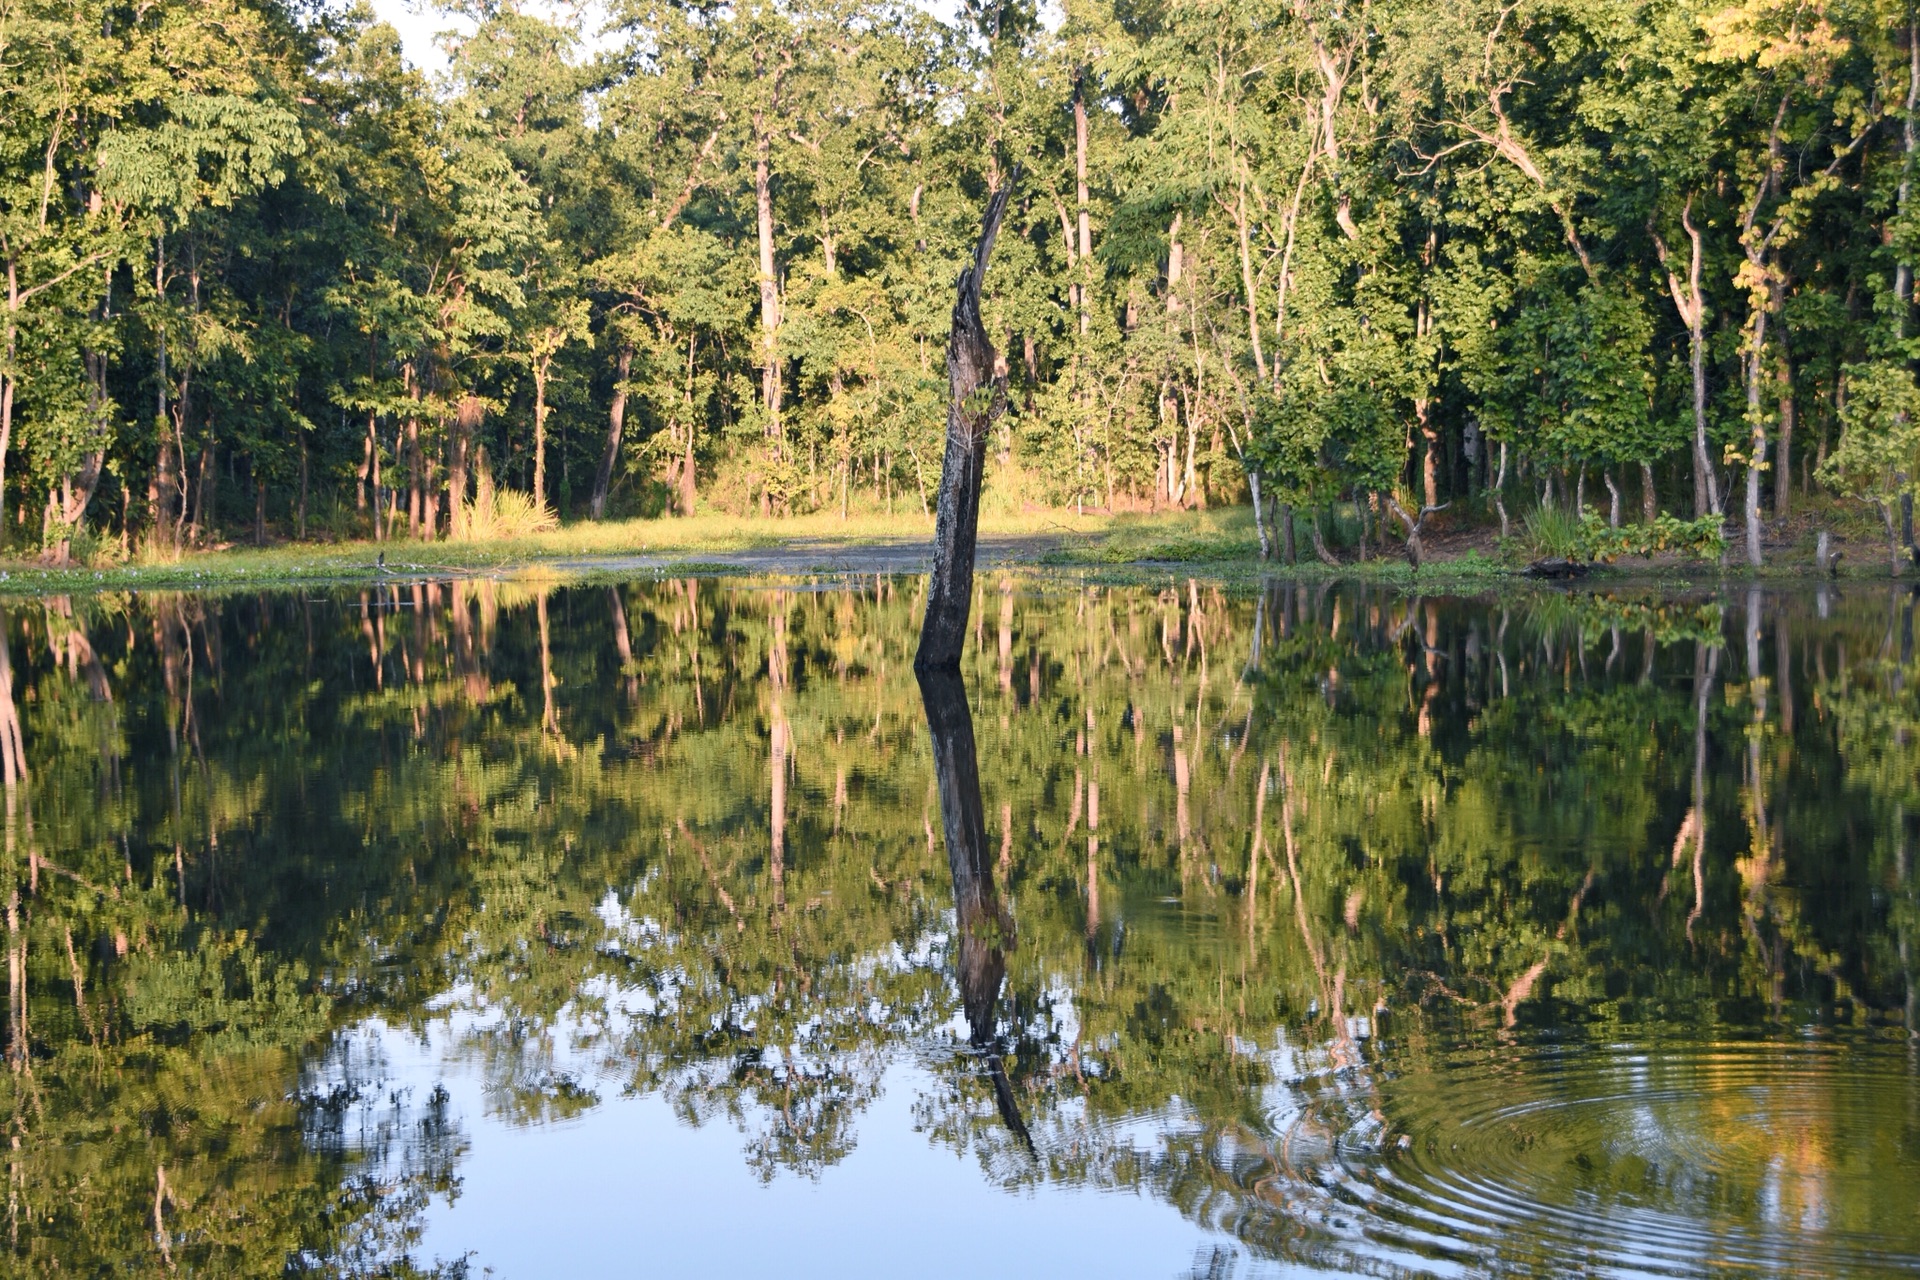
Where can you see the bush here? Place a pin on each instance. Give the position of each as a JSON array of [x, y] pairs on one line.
[[1561, 535], [1705, 538], [500, 515], [1554, 534]]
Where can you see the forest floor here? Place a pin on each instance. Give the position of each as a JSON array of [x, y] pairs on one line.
[[1216, 543]]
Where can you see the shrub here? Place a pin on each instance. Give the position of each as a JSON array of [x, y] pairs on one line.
[[1705, 538], [500, 515], [1553, 533], [1564, 536]]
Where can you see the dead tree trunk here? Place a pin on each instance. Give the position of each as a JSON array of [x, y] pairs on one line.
[[1416, 549], [976, 397], [985, 925]]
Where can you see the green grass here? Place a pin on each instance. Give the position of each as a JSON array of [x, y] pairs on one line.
[[686, 545], [1218, 542]]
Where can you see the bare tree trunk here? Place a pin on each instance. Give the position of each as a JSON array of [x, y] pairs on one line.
[[1320, 551], [1757, 438], [467, 417], [1240, 222], [1080, 177], [1259, 515], [1430, 455], [769, 294], [203, 498], [977, 395], [1415, 526], [1499, 490], [1783, 452], [367, 469], [414, 510], [540, 433], [616, 426], [985, 926], [1649, 500], [1690, 302]]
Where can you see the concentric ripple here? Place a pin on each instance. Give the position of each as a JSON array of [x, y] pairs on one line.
[[1677, 1158]]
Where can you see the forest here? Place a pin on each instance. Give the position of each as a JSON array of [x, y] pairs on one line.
[[1649, 262]]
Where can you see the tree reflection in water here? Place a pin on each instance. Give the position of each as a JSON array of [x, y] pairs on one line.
[[1366, 930], [982, 926]]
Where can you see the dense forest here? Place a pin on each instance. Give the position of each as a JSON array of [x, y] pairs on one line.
[[1650, 259]]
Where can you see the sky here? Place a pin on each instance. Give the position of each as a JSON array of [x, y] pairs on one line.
[[418, 22]]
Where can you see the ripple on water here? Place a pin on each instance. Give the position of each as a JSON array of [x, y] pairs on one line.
[[1677, 1158]]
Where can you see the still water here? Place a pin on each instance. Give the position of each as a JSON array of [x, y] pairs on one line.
[[671, 928]]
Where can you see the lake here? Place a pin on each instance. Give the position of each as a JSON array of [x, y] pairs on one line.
[[671, 928]]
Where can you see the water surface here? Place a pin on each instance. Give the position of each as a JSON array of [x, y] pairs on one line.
[[672, 928]]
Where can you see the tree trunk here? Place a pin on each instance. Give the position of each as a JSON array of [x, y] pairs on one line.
[[984, 924], [373, 459], [1286, 534], [467, 417], [1240, 221], [203, 501], [616, 425], [366, 471], [1320, 551], [1080, 177], [976, 396], [414, 509], [1649, 500], [1783, 450], [1705, 486], [769, 290], [159, 478], [1430, 459], [1499, 491], [540, 434], [1757, 438], [1259, 516], [7, 385], [1690, 302], [1903, 271]]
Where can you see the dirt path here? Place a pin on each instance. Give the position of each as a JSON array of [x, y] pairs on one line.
[[824, 555]]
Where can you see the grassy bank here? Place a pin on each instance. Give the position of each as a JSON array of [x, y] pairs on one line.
[[1220, 543], [702, 540]]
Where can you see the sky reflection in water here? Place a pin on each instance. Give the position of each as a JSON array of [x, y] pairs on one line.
[[666, 928]]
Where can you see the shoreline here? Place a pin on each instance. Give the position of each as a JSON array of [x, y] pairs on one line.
[[1216, 545]]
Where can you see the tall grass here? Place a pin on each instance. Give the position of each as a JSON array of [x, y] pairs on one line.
[[1553, 533], [504, 515]]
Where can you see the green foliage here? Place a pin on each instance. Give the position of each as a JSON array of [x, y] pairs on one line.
[[1702, 539], [263, 269], [1550, 531], [1559, 534], [1879, 436]]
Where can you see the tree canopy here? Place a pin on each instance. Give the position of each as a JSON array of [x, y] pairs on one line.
[[264, 276]]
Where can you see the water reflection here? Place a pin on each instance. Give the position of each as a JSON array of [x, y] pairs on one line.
[[983, 928], [1347, 929]]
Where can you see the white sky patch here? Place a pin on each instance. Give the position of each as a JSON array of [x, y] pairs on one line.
[[421, 24]]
